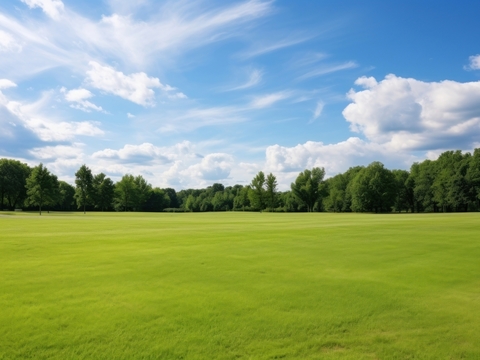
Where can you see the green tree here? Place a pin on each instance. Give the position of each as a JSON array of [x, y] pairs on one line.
[[13, 178], [257, 191], [157, 201], [142, 192], [103, 191], [271, 191], [307, 188], [66, 200], [403, 193], [125, 192], [42, 188], [241, 199], [473, 178], [373, 189], [84, 187]]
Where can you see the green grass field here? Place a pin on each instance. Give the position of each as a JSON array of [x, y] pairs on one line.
[[239, 286]]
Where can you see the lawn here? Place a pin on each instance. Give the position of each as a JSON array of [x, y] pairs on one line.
[[239, 286]]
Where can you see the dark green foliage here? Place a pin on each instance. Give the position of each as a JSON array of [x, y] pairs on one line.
[[84, 191], [66, 200], [13, 178], [256, 195], [308, 187], [103, 192], [42, 188], [450, 183], [373, 189]]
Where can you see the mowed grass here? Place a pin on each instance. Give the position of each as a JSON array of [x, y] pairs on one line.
[[239, 286]]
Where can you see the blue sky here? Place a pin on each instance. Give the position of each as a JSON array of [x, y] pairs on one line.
[[188, 93]]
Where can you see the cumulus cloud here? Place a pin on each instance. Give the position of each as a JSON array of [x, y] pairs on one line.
[[36, 118], [213, 167], [411, 114], [287, 162], [53, 8], [474, 63], [178, 165], [137, 87], [5, 84], [145, 153], [79, 99]]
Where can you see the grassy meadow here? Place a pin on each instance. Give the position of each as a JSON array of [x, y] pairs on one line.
[[239, 286]]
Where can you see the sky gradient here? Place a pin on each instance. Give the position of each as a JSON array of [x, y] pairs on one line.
[[188, 93]]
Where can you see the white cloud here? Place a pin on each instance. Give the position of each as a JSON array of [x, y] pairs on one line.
[[146, 153], [474, 63], [213, 167], [327, 69], [135, 87], [37, 117], [269, 99], [5, 84], [411, 114], [177, 95], [335, 158], [254, 78], [366, 82], [264, 48], [131, 116], [318, 110], [8, 43], [53, 8], [196, 118], [171, 30], [79, 98], [53, 153]]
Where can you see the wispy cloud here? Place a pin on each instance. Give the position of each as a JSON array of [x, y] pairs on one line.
[[318, 110], [255, 77], [328, 69], [264, 48], [264, 101], [72, 40]]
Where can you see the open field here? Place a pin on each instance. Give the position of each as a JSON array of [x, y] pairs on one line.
[[239, 286]]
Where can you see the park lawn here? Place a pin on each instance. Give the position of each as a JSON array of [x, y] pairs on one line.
[[239, 286]]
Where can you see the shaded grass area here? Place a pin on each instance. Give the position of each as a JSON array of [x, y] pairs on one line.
[[239, 286]]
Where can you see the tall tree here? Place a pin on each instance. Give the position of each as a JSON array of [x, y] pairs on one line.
[[125, 192], [66, 200], [241, 200], [84, 187], [42, 187], [142, 192], [271, 189], [307, 187], [473, 178], [157, 201], [403, 195], [13, 178], [103, 191], [373, 189], [257, 191]]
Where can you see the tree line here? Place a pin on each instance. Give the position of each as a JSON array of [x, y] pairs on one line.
[[450, 183]]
